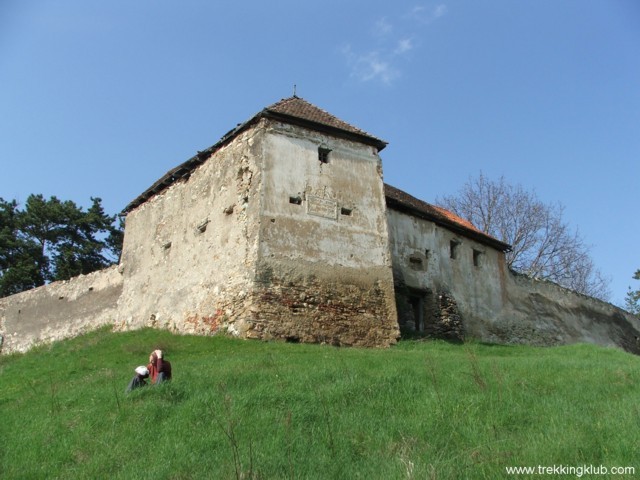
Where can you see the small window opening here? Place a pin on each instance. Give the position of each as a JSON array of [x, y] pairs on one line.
[[415, 261], [453, 248], [323, 154], [417, 309], [426, 254], [477, 258], [295, 200], [346, 211]]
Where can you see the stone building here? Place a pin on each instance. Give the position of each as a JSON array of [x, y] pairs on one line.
[[276, 231], [284, 229]]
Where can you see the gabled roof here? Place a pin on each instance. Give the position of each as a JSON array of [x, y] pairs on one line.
[[296, 109], [293, 110], [402, 201]]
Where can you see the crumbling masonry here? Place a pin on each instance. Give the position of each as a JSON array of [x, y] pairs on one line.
[[284, 229]]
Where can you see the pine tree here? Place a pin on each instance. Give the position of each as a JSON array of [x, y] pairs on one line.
[[632, 302], [53, 240]]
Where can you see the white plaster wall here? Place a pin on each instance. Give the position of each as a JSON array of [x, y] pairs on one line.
[[323, 276], [352, 179], [59, 310], [478, 290], [184, 277], [498, 305]]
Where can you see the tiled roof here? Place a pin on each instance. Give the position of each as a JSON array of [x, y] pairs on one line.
[[400, 200], [292, 110], [299, 108]]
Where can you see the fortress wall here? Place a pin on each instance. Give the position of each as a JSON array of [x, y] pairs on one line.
[[495, 305], [424, 271], [324, 271], [189, 252], [59, 310], [543, 313]]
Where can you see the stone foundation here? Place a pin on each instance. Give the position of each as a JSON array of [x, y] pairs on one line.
[[307, 309]]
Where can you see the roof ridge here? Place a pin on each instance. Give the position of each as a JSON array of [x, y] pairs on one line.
[[301, 109], [440, 214], [292, 110]]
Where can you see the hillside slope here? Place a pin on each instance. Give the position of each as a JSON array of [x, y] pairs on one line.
[[249, 409]]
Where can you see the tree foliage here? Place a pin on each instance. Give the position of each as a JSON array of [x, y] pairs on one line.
[[543, 245], [50, 240], [632, 301]]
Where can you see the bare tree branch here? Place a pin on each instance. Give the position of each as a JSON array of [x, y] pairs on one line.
[[543, 245]]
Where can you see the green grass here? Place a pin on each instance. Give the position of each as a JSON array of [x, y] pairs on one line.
[[250, 409]]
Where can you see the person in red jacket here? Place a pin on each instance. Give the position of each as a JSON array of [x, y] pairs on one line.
[[159, 368]]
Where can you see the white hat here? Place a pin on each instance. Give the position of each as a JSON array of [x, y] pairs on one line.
[[142, 370]]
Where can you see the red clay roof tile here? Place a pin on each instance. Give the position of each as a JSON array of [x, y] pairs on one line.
[[299, 108], [402, 200]]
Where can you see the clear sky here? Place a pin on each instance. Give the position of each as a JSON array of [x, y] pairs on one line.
[[102, 98]]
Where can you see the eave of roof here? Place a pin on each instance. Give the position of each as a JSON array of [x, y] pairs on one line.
[[401, 201], [298, 111], [293, 110]]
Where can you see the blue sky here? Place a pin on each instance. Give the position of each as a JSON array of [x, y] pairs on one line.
[[102, 98]]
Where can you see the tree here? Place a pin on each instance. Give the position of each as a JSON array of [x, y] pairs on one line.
[[20, 257], [53, 240], [543, 245], [632, 302]]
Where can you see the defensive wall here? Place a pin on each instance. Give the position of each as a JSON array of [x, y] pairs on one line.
[[455, 286], [522, 311], [285, 230], [59, 310]]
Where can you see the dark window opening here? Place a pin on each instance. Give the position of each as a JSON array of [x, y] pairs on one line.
[[323, 154], [345, 211], [295, 200], [453, 248], [477, 258], [416, 261], [417, 309]]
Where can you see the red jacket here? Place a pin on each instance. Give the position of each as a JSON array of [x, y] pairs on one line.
[[157, 366]]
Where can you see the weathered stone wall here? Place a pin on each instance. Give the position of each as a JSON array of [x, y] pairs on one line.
[[59, 310], [270, 239], [351, 309], [189, 252], [543, 313], [324, 262], [423, 267], [493, 303]]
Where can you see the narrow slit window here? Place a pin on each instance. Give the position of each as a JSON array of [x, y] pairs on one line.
[[477, 258], [453, 248], [323, 154]]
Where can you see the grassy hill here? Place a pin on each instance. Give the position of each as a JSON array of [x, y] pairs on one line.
[[250, 409]]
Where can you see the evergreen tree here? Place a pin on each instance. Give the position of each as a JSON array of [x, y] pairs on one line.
[[20, 257], [53, 240], [632, 302]]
